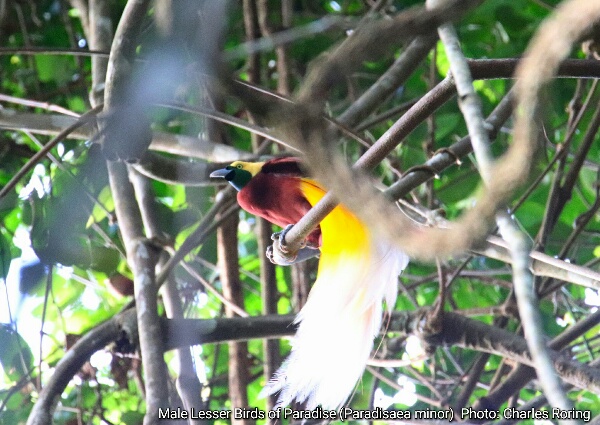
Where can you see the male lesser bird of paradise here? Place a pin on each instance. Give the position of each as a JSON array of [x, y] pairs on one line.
[[356, 274]]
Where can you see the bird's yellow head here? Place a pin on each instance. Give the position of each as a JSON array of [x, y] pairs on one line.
[[238, 173]]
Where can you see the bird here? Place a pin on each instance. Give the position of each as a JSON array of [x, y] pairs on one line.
[[357, 274]]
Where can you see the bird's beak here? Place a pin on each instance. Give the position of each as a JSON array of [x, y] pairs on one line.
[[223, 173]]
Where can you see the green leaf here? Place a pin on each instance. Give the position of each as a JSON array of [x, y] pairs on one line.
[[441, 61], [132, 417], [54, 68], [460, 186], [15, 355], [102, 208], [446, 124], [8, 202], [5, 256], [76, 104], [74, 12], [104, 259]]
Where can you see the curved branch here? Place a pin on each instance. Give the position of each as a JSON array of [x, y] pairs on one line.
[[71, 363], [391, 79], [177, 333]]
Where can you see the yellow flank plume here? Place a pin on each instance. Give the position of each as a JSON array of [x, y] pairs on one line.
[[345, 249], [343, 312], [341, 230]]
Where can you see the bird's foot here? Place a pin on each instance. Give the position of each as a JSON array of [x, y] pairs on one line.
[[275, 255], [279, 237], [278, 253]]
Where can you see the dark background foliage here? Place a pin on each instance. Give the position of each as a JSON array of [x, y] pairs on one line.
[[64, 266]]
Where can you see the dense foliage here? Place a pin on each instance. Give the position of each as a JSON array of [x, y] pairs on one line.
[[64, 267]]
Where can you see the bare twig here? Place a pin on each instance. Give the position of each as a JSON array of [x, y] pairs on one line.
[[544, 265], [177, 144], [37, 104], [227, 119], [210, 288], [395, 75], [287, 36]]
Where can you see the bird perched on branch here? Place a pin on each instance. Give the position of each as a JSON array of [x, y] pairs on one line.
[[356, 274]]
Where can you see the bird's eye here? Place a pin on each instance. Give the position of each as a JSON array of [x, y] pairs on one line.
[[239, 166]]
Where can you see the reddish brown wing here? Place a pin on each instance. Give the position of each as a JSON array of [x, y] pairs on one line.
[[288, 166], [274, 194]]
